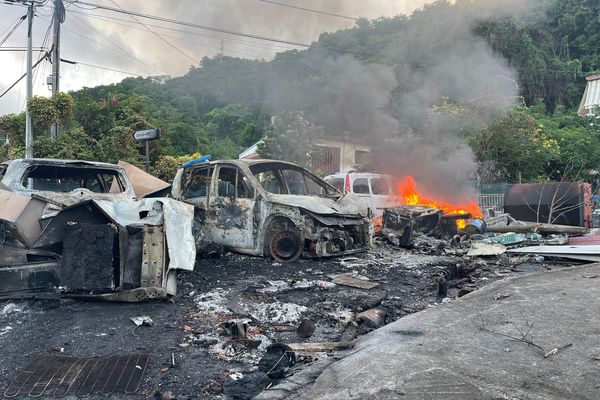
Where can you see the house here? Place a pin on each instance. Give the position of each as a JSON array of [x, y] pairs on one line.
[[339, 154], [160, 79], [590, 103]]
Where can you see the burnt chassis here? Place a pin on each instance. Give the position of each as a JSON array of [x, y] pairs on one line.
[[123, 249], [283, 227]]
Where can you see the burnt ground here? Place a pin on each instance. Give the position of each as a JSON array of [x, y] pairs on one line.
[[187, 331]]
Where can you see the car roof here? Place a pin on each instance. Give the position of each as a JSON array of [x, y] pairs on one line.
[[358, 175], [55, 161]]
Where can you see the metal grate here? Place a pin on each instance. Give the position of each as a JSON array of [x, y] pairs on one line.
[[59, 376], [326, 160], [493, 201]]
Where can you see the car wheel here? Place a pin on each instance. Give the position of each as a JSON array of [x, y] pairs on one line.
[[283, 242], [285, 246]]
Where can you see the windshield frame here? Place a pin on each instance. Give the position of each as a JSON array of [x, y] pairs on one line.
[[277, 167]]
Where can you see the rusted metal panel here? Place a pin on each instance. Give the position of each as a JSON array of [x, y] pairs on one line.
[[144, 184], [22, 213], [153, 256]]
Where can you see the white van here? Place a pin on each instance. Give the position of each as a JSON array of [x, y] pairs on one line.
[[376, 191]]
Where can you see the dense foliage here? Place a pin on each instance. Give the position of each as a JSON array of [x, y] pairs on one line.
[[221, 106]]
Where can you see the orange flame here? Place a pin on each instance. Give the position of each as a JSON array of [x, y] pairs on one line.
[[407, 188]]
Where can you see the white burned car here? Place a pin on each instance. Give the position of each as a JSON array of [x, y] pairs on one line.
[[373, 190], [272, 208], [84, 229]]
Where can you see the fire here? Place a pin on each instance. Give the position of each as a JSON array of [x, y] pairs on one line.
[[407, 189]]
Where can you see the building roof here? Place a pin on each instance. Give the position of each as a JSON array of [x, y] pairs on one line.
[[590, 103], [252, 151]]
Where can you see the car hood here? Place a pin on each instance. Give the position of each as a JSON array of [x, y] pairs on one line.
[[347, 205]]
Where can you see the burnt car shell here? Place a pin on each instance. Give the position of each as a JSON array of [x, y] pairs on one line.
[[76, 228], [271, 208]]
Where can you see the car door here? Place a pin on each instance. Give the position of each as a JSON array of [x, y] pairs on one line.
[[381, 194], [231, 209], [361, 189]]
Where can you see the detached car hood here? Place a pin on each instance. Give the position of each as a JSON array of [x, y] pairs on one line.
[[346, 206]]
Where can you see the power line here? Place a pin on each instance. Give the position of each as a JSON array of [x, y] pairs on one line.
[[119, 47], [128, 23], [99, 66], [25, 74], [156, 34], [20, 49], [309, 10], [13, 29], [189, 24], [91, 40]]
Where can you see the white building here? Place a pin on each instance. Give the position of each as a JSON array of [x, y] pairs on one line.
[[590, 103]]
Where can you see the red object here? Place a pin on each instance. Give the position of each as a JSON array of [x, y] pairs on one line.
[[347, 184]]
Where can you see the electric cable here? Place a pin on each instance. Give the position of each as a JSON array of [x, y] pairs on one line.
[[309, 10]]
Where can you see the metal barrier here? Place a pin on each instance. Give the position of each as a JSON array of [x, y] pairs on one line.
[[493, 201]]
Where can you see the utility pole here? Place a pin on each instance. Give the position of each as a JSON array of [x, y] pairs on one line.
[[59, 18], [28, 126]]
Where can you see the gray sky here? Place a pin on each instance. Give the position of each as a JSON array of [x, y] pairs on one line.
[[98, 39]]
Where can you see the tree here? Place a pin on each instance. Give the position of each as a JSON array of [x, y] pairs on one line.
[[292, 139], [518, 148]]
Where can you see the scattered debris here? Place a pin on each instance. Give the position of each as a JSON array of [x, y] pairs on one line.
[[10, 308], [246, 386], [320, 347], [500, 296], [142, 320], [278, 313], [373, 318], [277, 360], [354, 280], [306, 328], [479, 249], [581, 253]]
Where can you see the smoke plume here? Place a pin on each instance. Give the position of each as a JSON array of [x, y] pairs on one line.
[[445, 80]]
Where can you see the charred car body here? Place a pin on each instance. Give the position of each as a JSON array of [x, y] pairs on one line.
[[81, 229], [271, 208]]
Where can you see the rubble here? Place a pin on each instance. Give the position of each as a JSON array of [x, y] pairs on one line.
[[278, 312], [479, 249], [306, 328], [354, 280], [142, 320]]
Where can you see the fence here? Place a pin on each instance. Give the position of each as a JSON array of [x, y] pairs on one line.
[[493, 201]]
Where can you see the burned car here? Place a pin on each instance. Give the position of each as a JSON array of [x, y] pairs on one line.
[[83, 229], [271, 208]]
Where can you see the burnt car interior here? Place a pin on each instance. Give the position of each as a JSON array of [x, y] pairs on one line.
[[232, 183], [64, 179], [197, 182]]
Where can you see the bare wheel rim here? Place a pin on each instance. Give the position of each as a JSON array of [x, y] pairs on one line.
[[285, 246]]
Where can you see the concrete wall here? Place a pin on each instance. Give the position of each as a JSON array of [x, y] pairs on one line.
[[347, 151]]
